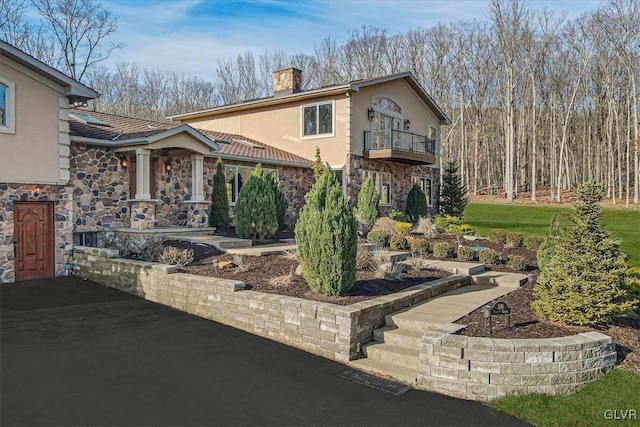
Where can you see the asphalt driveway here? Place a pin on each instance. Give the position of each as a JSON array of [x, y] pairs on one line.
[[77, 353]]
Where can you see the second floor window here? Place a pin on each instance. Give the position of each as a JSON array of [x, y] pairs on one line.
[[317, 119]]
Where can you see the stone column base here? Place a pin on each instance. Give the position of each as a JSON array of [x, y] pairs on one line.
[[143, 214], [197, 214]]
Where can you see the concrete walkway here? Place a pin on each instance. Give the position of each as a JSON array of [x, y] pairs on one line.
[[77, 353]]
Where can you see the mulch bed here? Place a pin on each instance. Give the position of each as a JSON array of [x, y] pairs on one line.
[[256, 272]]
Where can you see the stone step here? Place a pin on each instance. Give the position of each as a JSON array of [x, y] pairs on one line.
[[262, 250], [455, 267], [392, 256], [386, 370], [399, 337], [500, 278], [404, 357], [411, 320]]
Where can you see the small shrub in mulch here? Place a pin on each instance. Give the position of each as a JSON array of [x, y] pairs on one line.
[[513, 240], [398, 242], [465, 253], [403, 227], [420, 246], [488, 256], [443, 250], [517, 263], [498, 236], [379, 238], [533, 242]]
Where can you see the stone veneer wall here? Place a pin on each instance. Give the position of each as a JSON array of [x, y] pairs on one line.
[[486, 368], [63, 223], [174, 189], [329, 330], [400, 180], [100, 189], [295, 183]]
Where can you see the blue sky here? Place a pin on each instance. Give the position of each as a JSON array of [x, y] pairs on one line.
[[190, 36]]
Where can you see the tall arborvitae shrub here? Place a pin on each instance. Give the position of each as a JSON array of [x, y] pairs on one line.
[[219, 213], [583, 273], [368, 203], [255, 211], [416, 204], [280, 199], [316, 165], [452, 193], [326, 234]]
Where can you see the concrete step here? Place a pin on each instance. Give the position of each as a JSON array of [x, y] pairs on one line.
[[500, 278], [404, 357], [263, 250], [412, 320], [399, 337], [386, 370], [392, 256], [455, 267]]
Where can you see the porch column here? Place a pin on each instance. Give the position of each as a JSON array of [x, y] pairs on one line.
[[197, 178], [142, 174]]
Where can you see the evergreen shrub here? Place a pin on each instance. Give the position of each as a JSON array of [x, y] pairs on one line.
[[379, 238], [403, 227], [419, 246], [442, 222], [326, 234], [443, 250], [396, 215], [465, 253], [368, 203], [452, 193], [398, 242], [513, 240], [416, 204], [498, 236], [488, 256], [255, 211], [517, 263], [584, 278], [533, 242], [280, 199], [219, 212]]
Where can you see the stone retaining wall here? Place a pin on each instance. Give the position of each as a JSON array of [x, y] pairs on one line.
[[486, 368], [329, 330]]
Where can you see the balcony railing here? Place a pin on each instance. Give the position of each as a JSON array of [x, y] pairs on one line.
[[397, 140]]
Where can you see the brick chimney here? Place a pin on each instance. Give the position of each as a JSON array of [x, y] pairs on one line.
[[287, 81]]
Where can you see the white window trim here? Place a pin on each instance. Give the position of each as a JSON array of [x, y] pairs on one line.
[[320, 135], [415, 178], [265, 171], [390, 184], [10, 105]]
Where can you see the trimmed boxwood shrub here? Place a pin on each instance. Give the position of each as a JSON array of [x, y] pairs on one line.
[[514, 240], [533, 242], [326, 233], [465, 253], [517, 263], [488, 256], [443, 250], [255, 211], [403, 227], [498, 236], [379, 238], [419, 246], [398, 241]]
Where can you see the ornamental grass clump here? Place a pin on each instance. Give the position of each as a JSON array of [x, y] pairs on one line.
[[584, 277], [326, 234], [255, 211]]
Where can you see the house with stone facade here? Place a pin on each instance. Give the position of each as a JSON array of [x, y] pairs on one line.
[[387, 128], [67, 174]]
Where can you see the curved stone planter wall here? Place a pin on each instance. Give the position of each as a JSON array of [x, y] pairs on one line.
[[485, 368], [329, 330]]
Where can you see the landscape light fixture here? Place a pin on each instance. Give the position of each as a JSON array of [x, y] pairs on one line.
[[407, 123], [124, 163], [370, 114]]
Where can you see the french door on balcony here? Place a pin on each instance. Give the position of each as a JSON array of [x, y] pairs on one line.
[[385, 131]]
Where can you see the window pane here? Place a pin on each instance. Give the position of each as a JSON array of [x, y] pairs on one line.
[[385, 196], [3, 105], [310, 126], [244, 173], [325, 118], [427, 190], [230, 178]]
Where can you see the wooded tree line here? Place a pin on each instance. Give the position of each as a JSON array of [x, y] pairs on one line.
[[537, 101]]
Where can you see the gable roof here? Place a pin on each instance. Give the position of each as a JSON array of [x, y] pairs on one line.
[[121, 131], [353, 86], [74, 90]]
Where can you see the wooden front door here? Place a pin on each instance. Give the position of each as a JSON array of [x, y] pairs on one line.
[[33, 244]]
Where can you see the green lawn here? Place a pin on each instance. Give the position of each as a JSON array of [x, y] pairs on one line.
[[593, 405], [534, 220]]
